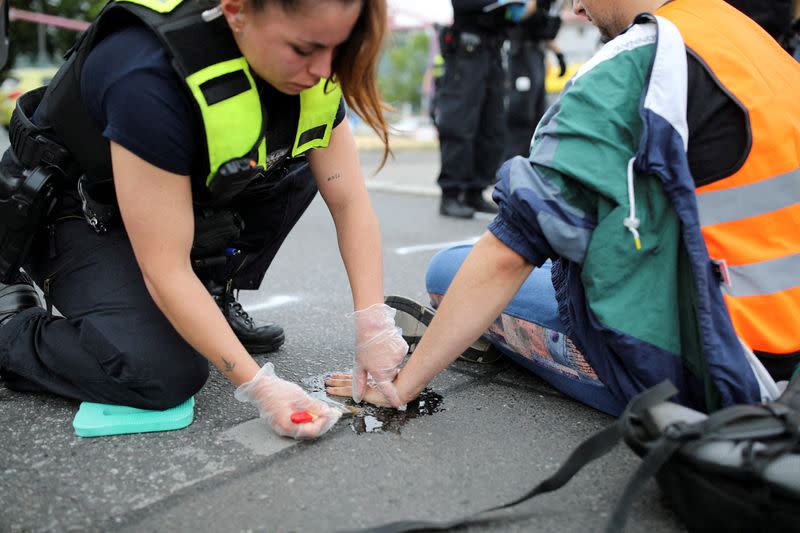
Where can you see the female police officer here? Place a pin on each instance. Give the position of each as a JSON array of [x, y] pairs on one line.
[[205, 116]]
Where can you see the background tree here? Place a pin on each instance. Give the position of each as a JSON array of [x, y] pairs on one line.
[[403, 67], [24, 39]]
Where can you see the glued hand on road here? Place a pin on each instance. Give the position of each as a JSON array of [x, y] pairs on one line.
[[342, 385]]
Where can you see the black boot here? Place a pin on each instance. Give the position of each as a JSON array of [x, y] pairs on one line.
[[16, 297], [474, 199], [452, 206], [257, 337]]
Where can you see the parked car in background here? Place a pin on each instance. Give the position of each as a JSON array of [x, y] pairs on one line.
[[17, 82]]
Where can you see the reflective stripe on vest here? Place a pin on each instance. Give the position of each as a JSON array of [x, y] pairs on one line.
[[438, 66], [317, 112], [238, 116], [751, 219], [160, 6]]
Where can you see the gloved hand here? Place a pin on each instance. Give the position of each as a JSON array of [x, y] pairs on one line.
[[562, 64], [515, 11], [276, 399], [380, 350]]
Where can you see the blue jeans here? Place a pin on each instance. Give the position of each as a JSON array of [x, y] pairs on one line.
[[531, 333]]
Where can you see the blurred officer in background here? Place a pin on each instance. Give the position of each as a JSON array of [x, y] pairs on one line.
[[775, 16], [469, 104], [526, 73], [437, 72]]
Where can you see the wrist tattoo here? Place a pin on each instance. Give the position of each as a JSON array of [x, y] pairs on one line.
[[227, 366], [333, 177]]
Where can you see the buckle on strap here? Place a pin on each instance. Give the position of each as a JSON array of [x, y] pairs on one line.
[[31, 147]]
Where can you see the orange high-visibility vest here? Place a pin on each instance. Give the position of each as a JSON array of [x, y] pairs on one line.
[[751, 219]]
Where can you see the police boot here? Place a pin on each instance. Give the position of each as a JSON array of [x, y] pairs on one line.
[[256, 336], [452, 206], [474, 199], [16, 297]]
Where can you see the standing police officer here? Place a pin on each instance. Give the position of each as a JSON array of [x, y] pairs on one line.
[[470, 114], [526, 74]]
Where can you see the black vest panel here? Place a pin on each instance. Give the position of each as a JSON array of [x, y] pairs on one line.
[[775, 16]]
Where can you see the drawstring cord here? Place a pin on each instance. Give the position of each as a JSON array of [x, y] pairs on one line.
[[631, 222]]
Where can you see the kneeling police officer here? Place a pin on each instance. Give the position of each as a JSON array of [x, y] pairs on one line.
[[159, 172]]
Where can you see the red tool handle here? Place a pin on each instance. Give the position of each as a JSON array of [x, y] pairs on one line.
[[302, 417]]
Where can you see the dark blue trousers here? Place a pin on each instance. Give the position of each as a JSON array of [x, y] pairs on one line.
[[526, 96], [470, 117], [113, 345]]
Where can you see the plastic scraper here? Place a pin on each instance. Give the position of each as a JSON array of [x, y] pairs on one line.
[[98, 419], [304, 417]]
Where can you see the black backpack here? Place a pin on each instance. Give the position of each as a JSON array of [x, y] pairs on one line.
[[737, 469]]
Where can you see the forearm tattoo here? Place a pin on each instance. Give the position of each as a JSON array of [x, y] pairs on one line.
[[227, 366], [333, 177]]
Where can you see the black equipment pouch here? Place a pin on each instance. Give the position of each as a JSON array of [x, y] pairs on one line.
[[737, 469], [215, 231], [25, 203], [98, 204], [233, 177], [28, 193]]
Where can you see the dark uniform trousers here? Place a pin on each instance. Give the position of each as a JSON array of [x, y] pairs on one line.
[[113, 344], [470, 116], [525, 105]]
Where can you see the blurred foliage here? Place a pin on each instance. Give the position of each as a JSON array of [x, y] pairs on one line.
[[402, 69], [24, 49]]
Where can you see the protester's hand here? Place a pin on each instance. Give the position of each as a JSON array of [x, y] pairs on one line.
[[276, 399], [342, 385], [562, 64], [380, 350]]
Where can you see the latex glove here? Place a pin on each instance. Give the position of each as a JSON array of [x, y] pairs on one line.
[[515, 11], [380, 350], [276, 399], [562, 64]]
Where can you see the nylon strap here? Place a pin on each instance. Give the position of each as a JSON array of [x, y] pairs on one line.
[[655, 459]]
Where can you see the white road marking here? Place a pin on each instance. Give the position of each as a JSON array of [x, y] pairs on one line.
[[272, 301], [257, 437], [434, 246], [403, 188]]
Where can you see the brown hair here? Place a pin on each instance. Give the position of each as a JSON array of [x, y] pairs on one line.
[[355, 63]]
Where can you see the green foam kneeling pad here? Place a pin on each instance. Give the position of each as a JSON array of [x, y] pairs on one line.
[[99, 419]]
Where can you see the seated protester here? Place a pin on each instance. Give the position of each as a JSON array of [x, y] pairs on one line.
[[664, 188]]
